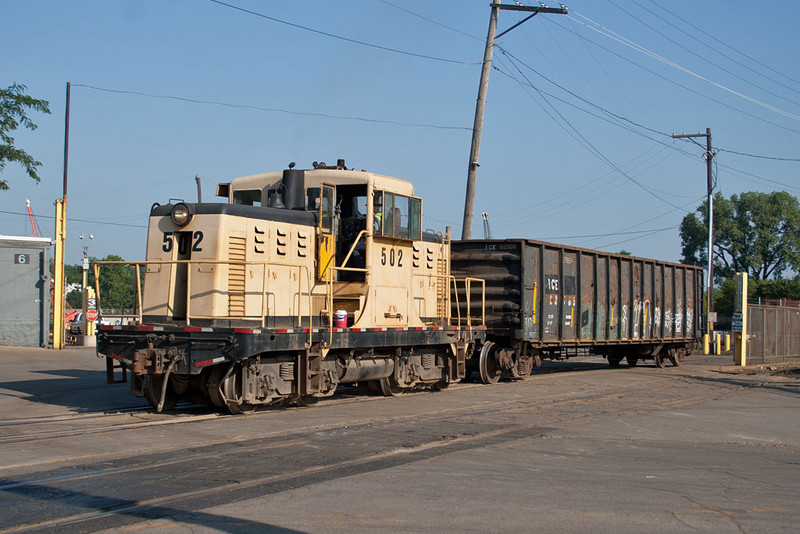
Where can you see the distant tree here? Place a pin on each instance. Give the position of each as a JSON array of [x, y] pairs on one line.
[[775, 288], [13, 105], [757, 233], [624, 252], [117, 284]]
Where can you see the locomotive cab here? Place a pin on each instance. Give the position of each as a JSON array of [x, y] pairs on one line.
[[293, 248]]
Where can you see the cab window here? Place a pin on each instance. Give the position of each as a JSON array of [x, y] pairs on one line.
[[248, 197], [322, 204], [400, 216]]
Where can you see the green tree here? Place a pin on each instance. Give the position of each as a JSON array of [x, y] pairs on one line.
[[774, 288], [13, 106], [757, 233], [117, 284]]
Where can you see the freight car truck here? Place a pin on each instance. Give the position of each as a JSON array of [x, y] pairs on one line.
[[551, 301]]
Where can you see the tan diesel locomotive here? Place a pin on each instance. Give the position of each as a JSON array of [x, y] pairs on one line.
[[303, 280]]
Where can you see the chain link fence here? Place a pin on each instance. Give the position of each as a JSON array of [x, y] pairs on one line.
[[774, 333]]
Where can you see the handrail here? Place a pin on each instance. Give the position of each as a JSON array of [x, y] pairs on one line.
[[329, 284], [263, 292], [352, 248], [468, 290]]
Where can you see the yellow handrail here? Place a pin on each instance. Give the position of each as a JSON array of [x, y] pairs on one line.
[[262, 318]]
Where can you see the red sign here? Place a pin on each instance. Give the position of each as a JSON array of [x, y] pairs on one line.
[[91, 315]]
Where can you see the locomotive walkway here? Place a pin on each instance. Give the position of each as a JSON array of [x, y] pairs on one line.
[[577, 448]]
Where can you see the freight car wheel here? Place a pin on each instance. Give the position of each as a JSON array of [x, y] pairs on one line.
[[659, 359], [490, 371], [522, 367], [153, 384], [614, 361], [632, 361], [674, 356]]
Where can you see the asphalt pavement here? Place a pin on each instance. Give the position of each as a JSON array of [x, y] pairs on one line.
[[705, 447]]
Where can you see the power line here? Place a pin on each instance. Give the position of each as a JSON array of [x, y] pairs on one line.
[[105, 223], [594, 150], [669, 80], [341, 38], [692, 52], [270, 110], [704, 32], [611, 234], [431, 20], [639, 48], [757, 156]]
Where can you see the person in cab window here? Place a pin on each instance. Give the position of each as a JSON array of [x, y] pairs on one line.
[[377, 208]]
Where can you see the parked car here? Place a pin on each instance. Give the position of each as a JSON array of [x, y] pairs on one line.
[[75, 327]]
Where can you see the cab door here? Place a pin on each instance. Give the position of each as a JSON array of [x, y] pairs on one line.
[[326, 234]]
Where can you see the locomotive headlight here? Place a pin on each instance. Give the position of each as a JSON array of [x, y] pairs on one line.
[[181, 214]]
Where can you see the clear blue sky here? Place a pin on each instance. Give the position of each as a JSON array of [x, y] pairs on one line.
[[577, 145]]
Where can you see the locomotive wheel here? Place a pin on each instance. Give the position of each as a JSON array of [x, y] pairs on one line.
[[153, 384], [241, 409], [305, 400], [373, 385], [490, 371], [632, 360], [213, 380], [389, 387], [659, 359]]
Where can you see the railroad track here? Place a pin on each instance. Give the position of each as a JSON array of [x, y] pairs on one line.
[[137, 418], [274, 461]]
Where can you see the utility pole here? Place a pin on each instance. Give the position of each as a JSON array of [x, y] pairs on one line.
[[708, 156], [472, 173], [61, 240]]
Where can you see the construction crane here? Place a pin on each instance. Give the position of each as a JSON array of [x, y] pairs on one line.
[[487, 232], [32, 218]]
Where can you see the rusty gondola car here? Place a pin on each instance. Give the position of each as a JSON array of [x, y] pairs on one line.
[[551, 301]]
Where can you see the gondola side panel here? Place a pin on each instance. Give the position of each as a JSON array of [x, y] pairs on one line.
[[602, 305], [587, 296], [552, 292]]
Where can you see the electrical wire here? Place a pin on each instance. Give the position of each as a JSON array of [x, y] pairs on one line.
[[757, 156], [692, 52], [648, 231], [592, 149], [431, 20], [271, 110], [342, 38], [671, 81], [704, 33], [639, 48], [102, 223]]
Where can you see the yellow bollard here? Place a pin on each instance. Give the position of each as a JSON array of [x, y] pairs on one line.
[[727, 342], [717, 344], [705, 344]]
